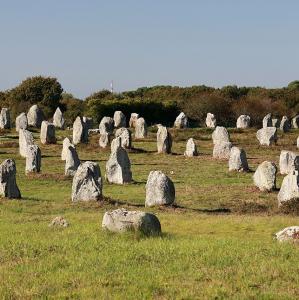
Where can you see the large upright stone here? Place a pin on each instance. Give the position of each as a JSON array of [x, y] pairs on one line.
[[33, 159], [159, 189], [267, 135], [288, 161], [265, 176], [21, 122], [35, 116], [65, 144], [267, 121], [5, 118], [295, 122], [87, 183], [220, 135], [126, 137], [104, 140], [285, 124], [221, 150], [211, 120], [191, 149], [106, 125], [118, 166], [115, 143], [181, 121], [25, 139], [119, 119], [243, 121], [72, 161], [58, 119], [122, 220], [80, 131], [134, 117], [47, 133], [164, 140], [237, 160], [8, 184], [140, 129], [275, 122]]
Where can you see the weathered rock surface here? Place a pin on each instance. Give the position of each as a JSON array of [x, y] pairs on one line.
[[288, 161], [25, 139], [159, 189], [285, 124], [164, 140], [87, 183], [80, 131], [119, 119], [58, 119], [295, 122], [72, 161], [191, 149], [243, 121], [21, 122], [122, 220], [5, 118], [265, 176], [65, 144], [237, 160], [289, 191], [106, 125], [126, 137], [211, 120], [33, 159], [140, 129], [181, 121], [59, 221], [134, 117], [8, 184], [47, 133], [35, 116], [267, 121], [104, 140], [288, 234], [267, 136], [220, 135], [221, 150]]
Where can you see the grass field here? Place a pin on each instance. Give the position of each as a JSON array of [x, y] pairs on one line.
[[217, 241]]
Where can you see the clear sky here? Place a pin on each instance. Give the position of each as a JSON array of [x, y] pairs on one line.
[[86, 44]]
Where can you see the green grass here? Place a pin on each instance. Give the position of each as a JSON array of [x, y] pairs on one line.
[[201, 254]]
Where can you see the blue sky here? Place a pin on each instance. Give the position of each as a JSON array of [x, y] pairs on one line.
[[86, 44]]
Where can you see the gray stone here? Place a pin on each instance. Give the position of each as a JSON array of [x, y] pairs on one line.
[[59, 221], [243, 121], [221, 150], [35, 116], [25, 139], [122, 220], [267, 121], [289, 191], [106, 125], [87, 183], [58, 119], [295, 122], [265, 176], [33, 159], [220, 135], [8, 184], [275, 123], [267, 136], [5, 118], [237, 160], [211, 120], [47, 133], [116, 142], [72, 161], [288, 234], [159, 189], [104, 140], [126, 137], [21, 122], [80, 131], [164, 140], [140, 129], [65, 144], [288, 161], [181, 121], [285, 124], [191, 149], [298, 142], [119, 119], [134, 117]]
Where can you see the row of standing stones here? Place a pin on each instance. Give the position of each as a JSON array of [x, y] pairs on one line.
[[87, 180]]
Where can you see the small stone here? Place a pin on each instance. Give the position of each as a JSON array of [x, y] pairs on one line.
[[265, 176], [106, 125], [140, 129], [35, 116], [5, 118], [267, 121], [191, 149], [21, 122], [237, 160], [58, 119], [47, 133], [285, 124], [80, 131], [243, 121], [164, 140], [295, 122], [59, 221], [211, 120], [33, 159], [134, 117], [181, 121], [119, 119], [288, 234]]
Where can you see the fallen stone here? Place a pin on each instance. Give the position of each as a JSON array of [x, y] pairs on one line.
[[59, 221], [288, 234]]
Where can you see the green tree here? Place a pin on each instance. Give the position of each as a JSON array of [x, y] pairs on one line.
[[294, 85]]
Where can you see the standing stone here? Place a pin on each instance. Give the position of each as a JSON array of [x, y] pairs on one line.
[[134, 117], [164, 140], [288, 161], [5, 118], [267, 136], [35, 116], [87, 183], [220, 135], [295, 122], [211, 120], [80, 132], [104, 140], [21, 122], [159, 189], [116, 142], [72, 161], [47, 133], [265, 176], [267, 121], [140, 129], [191, 149], [58, 119], [25, 139], [119, 119], [181, 121], [221, 150], [8, 184], [122, 220], [288, 234], [285, 124], [65, 145], [237, 160], [33, 159], [106, 125], [243, 121], [298, 142], [88, 122], [275, 123], [126, 137], [118, 167]]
